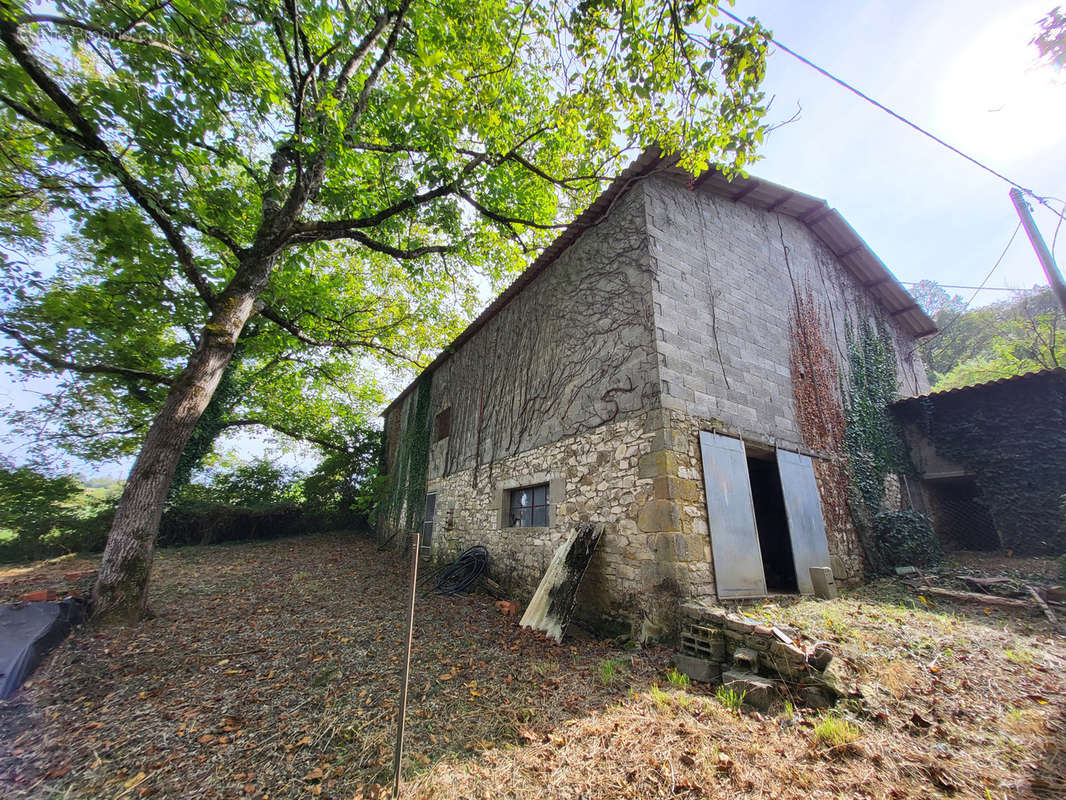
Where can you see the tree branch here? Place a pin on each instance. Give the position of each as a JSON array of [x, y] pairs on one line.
[[290, 432], [297, 333], [85, 369], [104, 33], [85, 135], [343, 228]]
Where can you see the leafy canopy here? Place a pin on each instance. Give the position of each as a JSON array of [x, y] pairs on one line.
[[388, 161], [1023, 334]]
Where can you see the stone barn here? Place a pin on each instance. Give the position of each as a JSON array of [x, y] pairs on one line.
[[689, 365]]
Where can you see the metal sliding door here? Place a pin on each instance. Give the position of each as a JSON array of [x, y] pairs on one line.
[[803, 505], [738, 570]]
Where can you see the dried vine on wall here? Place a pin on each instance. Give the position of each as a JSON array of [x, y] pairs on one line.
[[820, 414], [573, 351]]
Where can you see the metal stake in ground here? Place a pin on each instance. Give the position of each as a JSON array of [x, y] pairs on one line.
[[406, 671]]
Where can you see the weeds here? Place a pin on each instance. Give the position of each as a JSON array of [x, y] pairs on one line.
[[660, 697], [608, 671], [678, 678], [1018, 655], [837, 627], [835, 731], [730, 698]]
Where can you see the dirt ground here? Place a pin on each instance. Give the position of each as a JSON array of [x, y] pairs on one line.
[[271, 669]]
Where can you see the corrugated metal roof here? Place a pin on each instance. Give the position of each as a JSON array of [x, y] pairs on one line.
[[824, 221], [1039, 374]]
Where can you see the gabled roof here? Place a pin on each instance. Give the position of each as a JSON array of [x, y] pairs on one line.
[[1036, 376], [825, 222]]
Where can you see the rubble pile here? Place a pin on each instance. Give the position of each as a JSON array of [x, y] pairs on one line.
[[758, 660]]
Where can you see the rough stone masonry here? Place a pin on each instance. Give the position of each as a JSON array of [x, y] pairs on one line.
[[596, 372]]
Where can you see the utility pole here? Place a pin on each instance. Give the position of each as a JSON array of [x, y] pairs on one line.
[[1047, 260]]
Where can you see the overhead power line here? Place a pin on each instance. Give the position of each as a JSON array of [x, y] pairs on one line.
[[995, 266], [962, 286], [1044, 201]]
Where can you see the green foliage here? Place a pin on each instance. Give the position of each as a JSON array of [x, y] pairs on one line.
[[906, 538], [44, 515], [1023, 334], [408, 476], [874, 445], [255, 484], [730, 698], [384, 162]]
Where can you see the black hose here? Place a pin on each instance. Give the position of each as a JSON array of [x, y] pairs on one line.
[[461, 574]]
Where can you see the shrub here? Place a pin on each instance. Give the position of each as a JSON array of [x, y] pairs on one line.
[[906, 538]]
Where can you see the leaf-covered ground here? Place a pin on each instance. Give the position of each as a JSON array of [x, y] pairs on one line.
[[271, 670]]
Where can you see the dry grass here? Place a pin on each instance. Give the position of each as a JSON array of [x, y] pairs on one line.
[[272, 670]]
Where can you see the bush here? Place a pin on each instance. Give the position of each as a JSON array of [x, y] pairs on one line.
[[906, 538]]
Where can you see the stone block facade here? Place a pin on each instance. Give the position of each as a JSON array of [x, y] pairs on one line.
[[673, 314]]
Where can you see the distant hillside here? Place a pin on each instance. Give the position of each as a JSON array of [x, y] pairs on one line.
[[1024, 333]]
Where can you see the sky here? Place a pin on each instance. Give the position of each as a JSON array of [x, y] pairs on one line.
[[963, 70]]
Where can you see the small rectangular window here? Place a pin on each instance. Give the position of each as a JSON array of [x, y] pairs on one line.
[[528, 507], [442, 425]]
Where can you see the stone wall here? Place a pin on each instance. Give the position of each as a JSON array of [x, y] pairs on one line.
[[1011, 437], [638, 479]]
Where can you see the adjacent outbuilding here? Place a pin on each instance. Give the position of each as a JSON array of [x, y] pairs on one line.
[[992, 462]]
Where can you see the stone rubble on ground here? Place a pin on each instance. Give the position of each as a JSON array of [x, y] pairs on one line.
[[718, 646]]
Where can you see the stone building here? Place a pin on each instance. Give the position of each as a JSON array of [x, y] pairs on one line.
[[674, 368], [992, 462]]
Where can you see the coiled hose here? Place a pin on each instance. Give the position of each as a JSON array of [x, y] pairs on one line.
[[460, 575]]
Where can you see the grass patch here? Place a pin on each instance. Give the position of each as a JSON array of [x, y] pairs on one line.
[[608, 671], [835, 731], [1021, 656], [730, 698], [677, 678], [659, 697]]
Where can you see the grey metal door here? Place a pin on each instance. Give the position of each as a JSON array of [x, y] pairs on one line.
[[803, 505], [738, 568]]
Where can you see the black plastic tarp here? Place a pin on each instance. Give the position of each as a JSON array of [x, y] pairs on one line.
[[27, 632]]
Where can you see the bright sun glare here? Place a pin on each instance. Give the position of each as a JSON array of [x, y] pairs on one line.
[[995, 101]]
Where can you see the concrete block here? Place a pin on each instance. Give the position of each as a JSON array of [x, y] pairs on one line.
[[824, 585], [758, 692], [698, 669], [745, 659]]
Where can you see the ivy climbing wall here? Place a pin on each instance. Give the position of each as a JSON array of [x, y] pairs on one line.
[[1010, 435]]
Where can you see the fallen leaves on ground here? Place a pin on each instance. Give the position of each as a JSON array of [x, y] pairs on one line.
[[271, 669]]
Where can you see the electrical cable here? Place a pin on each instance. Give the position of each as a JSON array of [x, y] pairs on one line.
[[840, 81], [995, 266]]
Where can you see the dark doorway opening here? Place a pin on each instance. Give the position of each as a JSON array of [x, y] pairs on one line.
[[960, 517], [771, 523]]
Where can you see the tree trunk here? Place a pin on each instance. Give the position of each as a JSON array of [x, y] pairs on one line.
[[121, 590]]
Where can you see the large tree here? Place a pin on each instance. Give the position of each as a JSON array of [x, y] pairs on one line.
[[241, 146]]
